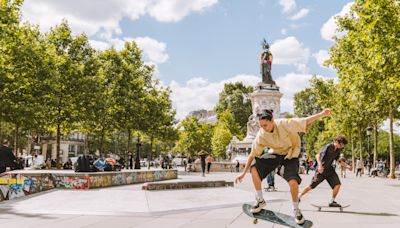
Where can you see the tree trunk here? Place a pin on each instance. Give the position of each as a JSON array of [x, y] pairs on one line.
[[375, 145], [129, 141], [101, 143], [86, 149], [361, 146], [29, 143], [16, 139], [353, 153], [58, 143], [392, 174], [151, 151]]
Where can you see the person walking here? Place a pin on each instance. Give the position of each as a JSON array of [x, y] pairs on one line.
[[209, 160], [7, 158], [203, 154], [342, 168], [237, 166], [326, 171], [282, 137], [359, 167]]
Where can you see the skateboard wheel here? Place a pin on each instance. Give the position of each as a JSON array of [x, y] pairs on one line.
[[319, 209], [255, 221]]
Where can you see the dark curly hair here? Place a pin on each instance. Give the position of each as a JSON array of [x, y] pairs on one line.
[[266, 114], [341, 139]]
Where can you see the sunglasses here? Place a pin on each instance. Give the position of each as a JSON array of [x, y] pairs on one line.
[[264, 115]]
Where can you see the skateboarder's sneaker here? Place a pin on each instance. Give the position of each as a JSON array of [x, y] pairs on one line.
[[258, 206], [335, 204], [298, 217]]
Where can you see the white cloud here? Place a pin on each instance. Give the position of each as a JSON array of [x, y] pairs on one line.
[[328, 30], [92, 17], [289, 51], [99, 45], [198, 93], [153, 51], [289, 85], [302, 13], [287, 5], [321, 56], [302, 68], [386, 126], [175, 10]]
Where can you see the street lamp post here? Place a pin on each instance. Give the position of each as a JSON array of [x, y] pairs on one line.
[[137, 160], [369, 132]]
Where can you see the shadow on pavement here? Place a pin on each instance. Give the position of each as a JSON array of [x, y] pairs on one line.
[[10, 211], [206, 208], [360, 213]]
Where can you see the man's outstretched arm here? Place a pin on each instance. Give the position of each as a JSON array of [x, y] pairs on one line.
[[323, 113]]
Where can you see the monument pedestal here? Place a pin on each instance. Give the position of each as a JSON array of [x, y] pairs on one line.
[[265, 96]]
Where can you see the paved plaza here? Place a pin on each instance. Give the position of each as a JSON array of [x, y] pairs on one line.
[[375, 202]]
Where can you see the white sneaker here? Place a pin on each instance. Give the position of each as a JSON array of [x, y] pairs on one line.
[[258, 206], [298, 216]]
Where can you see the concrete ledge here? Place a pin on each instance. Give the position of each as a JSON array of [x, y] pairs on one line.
[[20, 183], [219, 167], [186, 185]]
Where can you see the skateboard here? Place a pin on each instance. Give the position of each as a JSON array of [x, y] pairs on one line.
[[274, 217], [320, 207]]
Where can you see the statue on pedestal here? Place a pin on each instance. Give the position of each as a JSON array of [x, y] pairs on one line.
[[266, 64]]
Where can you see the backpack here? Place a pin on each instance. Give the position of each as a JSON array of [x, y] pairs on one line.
[[85, 164]]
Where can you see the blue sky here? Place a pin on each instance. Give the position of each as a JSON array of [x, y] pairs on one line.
[[198, 45]]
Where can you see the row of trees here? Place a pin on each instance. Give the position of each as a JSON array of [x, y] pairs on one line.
[[233, 110], [366, 58], [55, 82]]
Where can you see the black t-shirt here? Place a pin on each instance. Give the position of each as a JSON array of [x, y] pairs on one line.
[[328, 155]]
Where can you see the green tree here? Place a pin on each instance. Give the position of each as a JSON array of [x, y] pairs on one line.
[[233, 98], [366, 58], [98, 116], [160, 115], [222, 134], [193, 137], [66, 91]]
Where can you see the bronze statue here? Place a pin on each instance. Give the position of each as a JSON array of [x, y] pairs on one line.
[[266, 63]]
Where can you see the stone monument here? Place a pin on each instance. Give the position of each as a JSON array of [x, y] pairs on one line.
[[266, 95]]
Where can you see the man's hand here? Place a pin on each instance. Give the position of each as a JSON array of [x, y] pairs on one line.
[[350, 168], [320, 169], [239, 178], [326, 112]]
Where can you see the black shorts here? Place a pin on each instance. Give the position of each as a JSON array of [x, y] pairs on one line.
[[288, 168], [331, 176]]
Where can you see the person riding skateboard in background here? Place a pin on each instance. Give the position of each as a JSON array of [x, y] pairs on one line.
[[326, 171], [282, 137]]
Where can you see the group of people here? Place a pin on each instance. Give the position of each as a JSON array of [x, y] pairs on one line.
[[283, 142]]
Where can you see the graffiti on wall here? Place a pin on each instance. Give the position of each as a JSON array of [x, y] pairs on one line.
[[17, 185], [73, 182]]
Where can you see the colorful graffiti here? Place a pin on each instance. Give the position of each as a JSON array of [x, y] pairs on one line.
[[73, 182], [13, 185], [17, 185]]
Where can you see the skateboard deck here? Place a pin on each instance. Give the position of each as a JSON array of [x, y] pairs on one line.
[[274, 217], [320, 207]]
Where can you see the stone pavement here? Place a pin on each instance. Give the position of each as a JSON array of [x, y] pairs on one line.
[[375, 202]]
